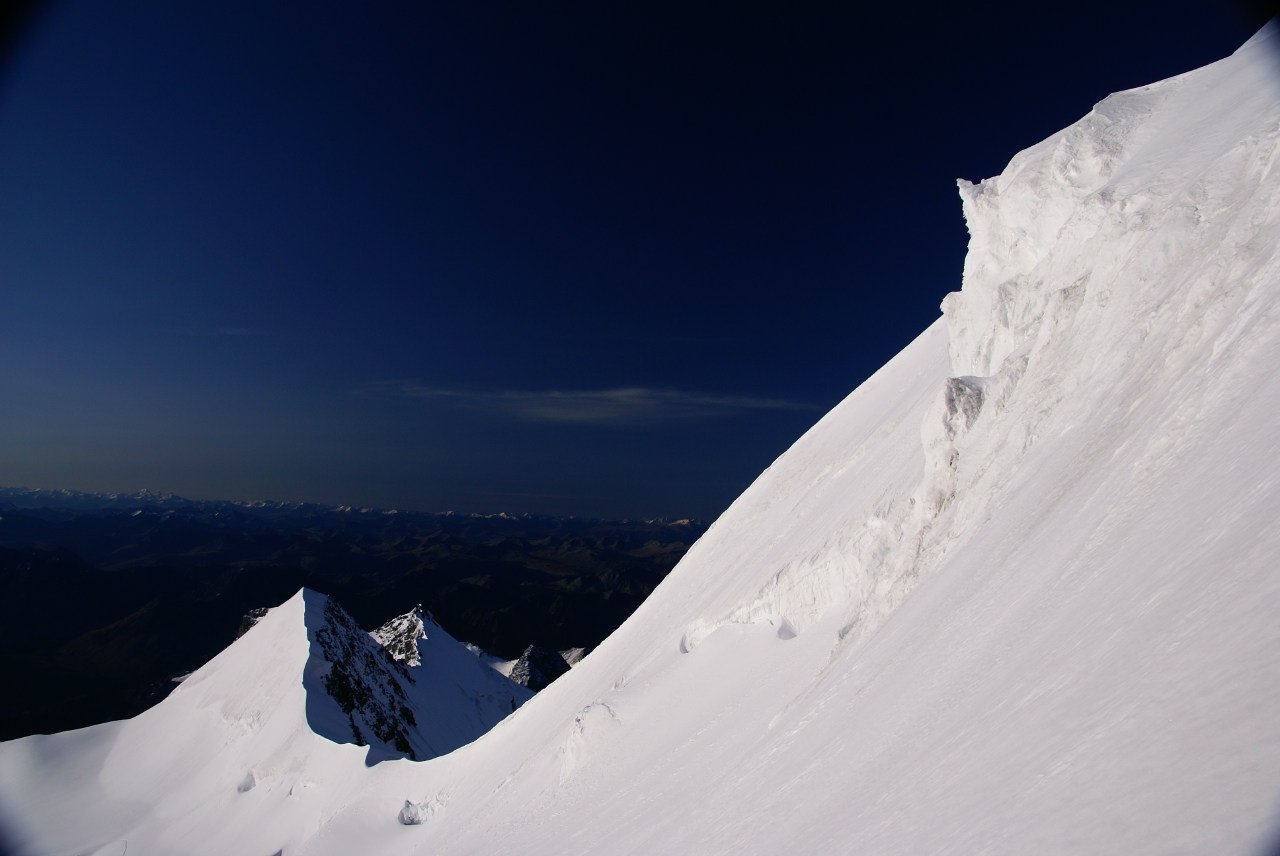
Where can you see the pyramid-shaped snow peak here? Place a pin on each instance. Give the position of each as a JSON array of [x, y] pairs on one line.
[[271, 713], [406, 690], [1016, 594]]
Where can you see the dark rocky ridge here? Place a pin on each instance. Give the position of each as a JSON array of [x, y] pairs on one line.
[[251, 618], [538, 667], [365, 680]]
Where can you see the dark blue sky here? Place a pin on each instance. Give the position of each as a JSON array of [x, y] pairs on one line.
[[533, 257]]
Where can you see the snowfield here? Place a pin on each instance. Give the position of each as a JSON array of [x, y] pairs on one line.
[[1018, 593]]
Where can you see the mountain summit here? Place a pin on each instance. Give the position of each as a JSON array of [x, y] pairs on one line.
[[1015, 594], [399, 636]]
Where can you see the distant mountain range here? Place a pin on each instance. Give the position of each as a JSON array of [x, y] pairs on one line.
[[110, 597]]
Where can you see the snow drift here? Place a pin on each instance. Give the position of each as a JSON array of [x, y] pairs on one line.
[[1016, 594]]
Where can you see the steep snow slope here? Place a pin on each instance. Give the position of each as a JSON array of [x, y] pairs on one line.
[[1016, 594], [239, 722]]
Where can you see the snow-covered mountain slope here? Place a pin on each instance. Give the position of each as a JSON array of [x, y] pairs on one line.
[[267, 718], [1016, 594]]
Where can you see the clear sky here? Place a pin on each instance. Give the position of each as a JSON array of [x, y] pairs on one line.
[[548, 257]]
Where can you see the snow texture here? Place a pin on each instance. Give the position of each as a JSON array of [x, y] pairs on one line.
[[1016, 594]]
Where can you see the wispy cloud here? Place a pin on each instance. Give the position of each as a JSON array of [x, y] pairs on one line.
[[237, 332], [618, 406]]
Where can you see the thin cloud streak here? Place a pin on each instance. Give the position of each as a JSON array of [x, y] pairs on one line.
[[226, 332], [239, 332], [618, 406]]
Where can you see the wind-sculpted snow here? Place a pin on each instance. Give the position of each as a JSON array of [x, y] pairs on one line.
[[1016, 594]]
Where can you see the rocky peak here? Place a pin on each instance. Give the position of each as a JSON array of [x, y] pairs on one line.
[[399, 636], [251, 618], [538, 667], [573, 656], [368, 686]]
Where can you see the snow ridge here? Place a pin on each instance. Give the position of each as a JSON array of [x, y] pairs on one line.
[[1064, 234]]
